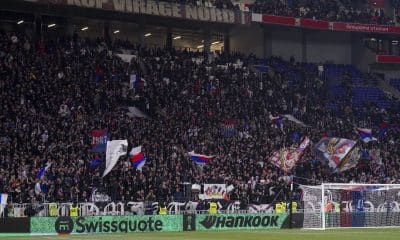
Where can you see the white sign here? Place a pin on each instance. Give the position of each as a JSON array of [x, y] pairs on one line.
[[214, 191]]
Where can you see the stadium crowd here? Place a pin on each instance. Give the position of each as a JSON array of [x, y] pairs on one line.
[[55, 92], [330, 10]]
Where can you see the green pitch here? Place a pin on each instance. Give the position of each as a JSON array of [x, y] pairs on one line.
[[347, 234]]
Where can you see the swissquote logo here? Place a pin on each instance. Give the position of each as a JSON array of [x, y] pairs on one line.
[[247, 221], [64, 225]]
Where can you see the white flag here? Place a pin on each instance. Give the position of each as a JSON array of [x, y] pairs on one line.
[[136, 112], [38, 189], [3, 198], [115, 149], [295, 120], [3, 202]]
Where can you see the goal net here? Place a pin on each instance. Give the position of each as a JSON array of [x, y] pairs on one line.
[[351, 205]]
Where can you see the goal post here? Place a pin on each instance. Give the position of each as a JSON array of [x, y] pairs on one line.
[[351, 205]]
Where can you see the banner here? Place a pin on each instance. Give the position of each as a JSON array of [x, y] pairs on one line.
[[388, 59], [99, 140], [115, 149], [334, 150], [281, 20], [369, 28], [162, 8], [311, 23], [98, 196], [219, 222], [286, 159], [350, 161], [214, 191], [106, 224], [324, 25]]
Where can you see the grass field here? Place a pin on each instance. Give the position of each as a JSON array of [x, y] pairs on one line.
[[347, 234]]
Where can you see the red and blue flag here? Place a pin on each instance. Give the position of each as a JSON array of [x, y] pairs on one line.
[[137, 158], [199, 158], [278, 121], [99, 140], [366, 134], [137, 82]]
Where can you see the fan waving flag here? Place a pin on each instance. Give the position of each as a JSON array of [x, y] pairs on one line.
[[383, 129], [199, 158], [137, 82], [137, 157], [286, 159], [366, 134], [278, 121], [3, 202], [43, 170], [115, 149]]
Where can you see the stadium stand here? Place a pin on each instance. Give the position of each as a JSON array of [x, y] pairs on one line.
[[395, 83], [187, 109], [55, 92]]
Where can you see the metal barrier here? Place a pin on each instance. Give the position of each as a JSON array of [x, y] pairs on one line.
[[115, 209]]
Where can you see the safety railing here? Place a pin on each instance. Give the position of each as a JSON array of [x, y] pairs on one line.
[[119, 208]]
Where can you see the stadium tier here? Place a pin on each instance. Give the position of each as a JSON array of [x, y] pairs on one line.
[[334, 10], [136, 116]]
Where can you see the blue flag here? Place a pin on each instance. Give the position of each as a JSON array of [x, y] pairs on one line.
[[96, 162], [296, 136], [43, 170]]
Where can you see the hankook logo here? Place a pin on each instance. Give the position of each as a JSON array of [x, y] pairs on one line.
[[239, 221]]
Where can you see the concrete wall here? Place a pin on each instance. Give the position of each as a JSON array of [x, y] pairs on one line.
[[324, 46], [361, 56], [95, 28], [247, 39], [389, 70], [310, 46], [302, 44], [128, 31], [285, 42]]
